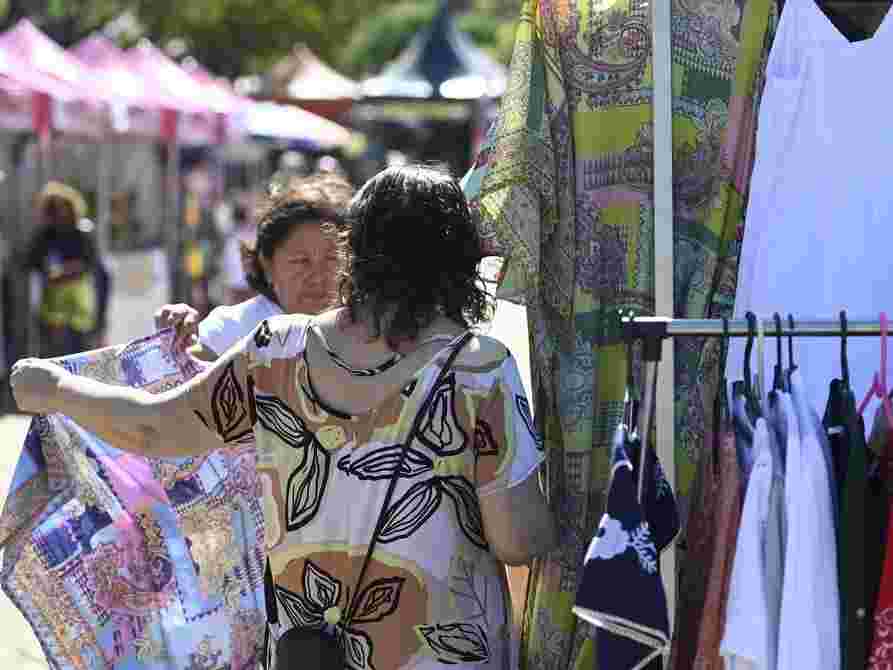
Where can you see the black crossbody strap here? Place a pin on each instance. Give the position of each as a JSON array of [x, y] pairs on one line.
[[392, 486]]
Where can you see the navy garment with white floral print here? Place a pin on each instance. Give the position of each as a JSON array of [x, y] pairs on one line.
[[621, 591]]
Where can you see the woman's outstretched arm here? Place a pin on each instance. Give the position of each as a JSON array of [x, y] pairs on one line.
[[176, 423]]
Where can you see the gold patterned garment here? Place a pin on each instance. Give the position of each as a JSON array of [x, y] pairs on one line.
[[434, 596], [563, 189]]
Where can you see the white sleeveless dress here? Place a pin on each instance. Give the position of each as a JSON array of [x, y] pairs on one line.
[[819, 226]]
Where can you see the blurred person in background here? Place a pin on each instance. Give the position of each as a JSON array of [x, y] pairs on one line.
[[291, 265], [235, 284], [70, 284]]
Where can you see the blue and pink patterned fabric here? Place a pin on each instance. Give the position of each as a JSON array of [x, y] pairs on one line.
[[119, 562]]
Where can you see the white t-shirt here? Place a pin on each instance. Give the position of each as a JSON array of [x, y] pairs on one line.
[[228, 324], [809, 630], [750, 636]]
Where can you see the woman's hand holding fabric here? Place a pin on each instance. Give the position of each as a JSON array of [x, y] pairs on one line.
[[182, 318], [35, 384]]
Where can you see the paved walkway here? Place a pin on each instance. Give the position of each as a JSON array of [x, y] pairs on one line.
[[19, 649]]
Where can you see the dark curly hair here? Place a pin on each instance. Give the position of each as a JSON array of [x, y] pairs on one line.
[[318, 199], [412, 253]]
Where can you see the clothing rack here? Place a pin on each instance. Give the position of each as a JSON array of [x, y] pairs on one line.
[[659, 328], [655, 330], [656, 334]]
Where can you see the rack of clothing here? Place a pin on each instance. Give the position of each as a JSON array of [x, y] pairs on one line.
[[851, 20], [652, 331], [796, 561]]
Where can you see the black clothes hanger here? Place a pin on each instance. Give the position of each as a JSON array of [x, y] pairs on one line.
[[721, 401], [793, 365], [844, 362], [753, 406], [778, 381], [857, 20]]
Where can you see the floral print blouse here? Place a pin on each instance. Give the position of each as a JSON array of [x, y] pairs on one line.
[[433, 594]]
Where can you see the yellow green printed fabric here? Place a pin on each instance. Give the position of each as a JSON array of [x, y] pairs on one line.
[[563, 191]]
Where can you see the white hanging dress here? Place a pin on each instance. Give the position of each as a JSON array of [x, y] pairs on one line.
[[819, 226]]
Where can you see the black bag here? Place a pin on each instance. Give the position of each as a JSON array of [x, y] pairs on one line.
[[312, 649]]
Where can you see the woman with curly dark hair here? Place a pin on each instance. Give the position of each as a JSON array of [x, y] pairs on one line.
[[396, 446], [413, 255]]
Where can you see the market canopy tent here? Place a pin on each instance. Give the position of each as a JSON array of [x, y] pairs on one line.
[[202, 120], [302, 129], [441, 63], [431, 101], [26, 95], [140, 107], [78, 106], [316, 86]]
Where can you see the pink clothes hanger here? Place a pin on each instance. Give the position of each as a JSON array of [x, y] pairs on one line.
[[879, 385]]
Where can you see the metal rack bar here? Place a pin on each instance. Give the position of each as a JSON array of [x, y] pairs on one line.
[[662, 328]]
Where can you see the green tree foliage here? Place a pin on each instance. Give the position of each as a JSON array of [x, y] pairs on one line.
[[235, 37], [65, 21]]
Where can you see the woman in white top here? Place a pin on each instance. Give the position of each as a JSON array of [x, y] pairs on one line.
[[331, 400], [292, 266]]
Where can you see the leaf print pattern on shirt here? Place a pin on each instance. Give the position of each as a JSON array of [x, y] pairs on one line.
[[321, 606], [229, 408], [526, 416], [306, 485], [379, 464], [441, 430], [410, 512], [464, 580], [378, 600], [455, 643], [468, 511], [278, 418], [484, 442], [406, 516]]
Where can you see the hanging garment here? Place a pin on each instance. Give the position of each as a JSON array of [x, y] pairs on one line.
[[563, 187], [119, 562], [711, 531], [881, 656], [622, 591], [743, 433], [856, 542], [776, 520], [809, 629], [750, 638], [818, 193], [835, 422]]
